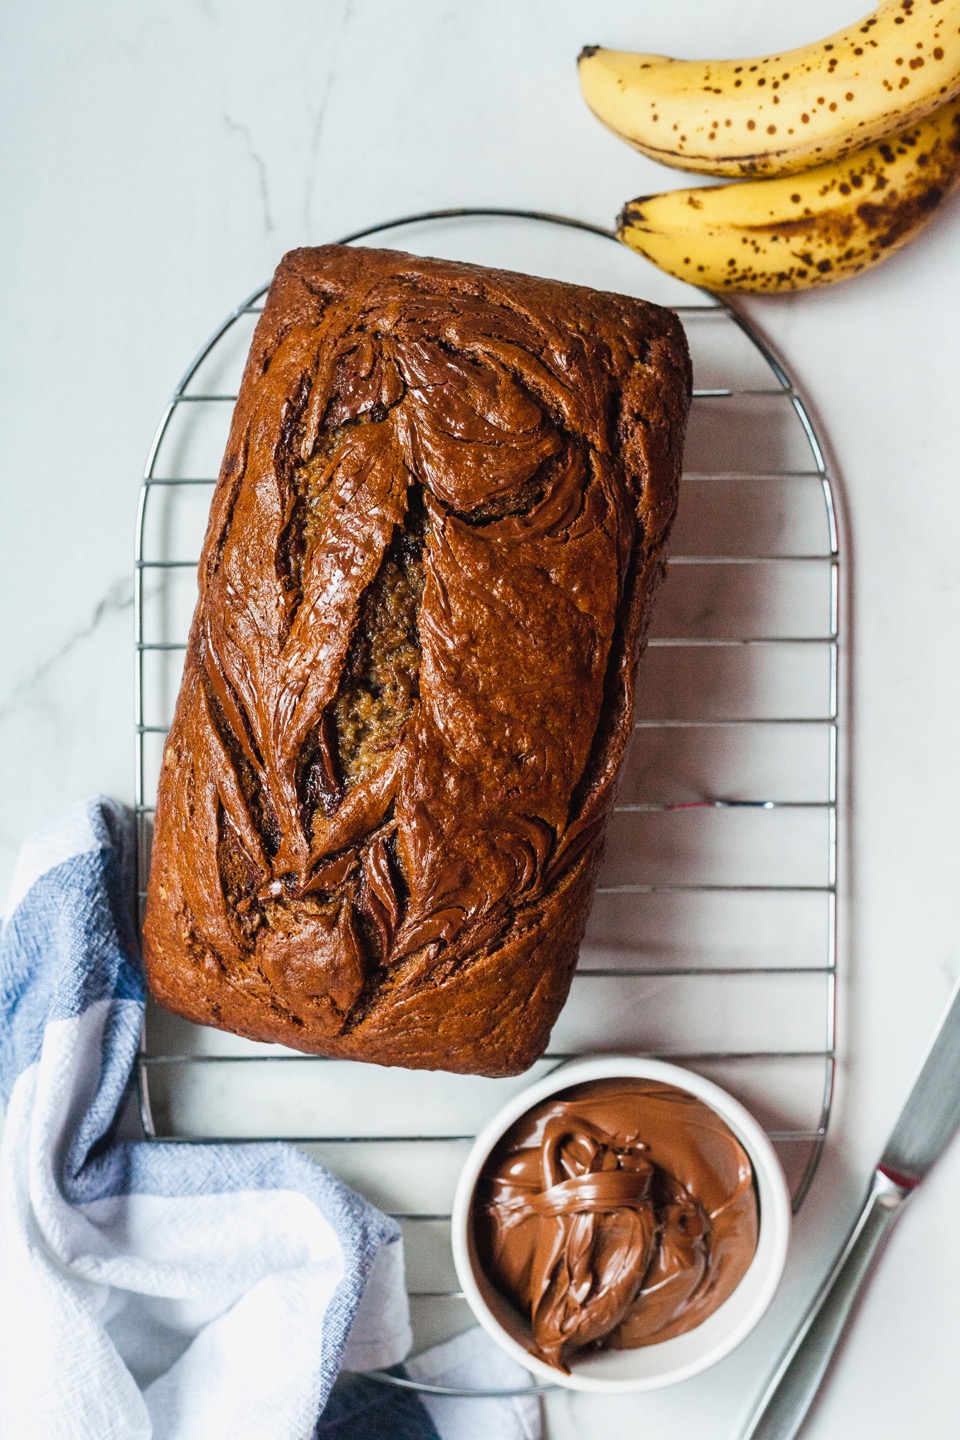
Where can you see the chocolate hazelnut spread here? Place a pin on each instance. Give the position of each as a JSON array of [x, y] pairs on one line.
[[617, 1214]]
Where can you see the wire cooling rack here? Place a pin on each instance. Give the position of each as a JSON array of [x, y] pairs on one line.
[[713, 936]]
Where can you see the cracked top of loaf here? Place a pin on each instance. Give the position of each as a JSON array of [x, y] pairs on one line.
[[409, 683]]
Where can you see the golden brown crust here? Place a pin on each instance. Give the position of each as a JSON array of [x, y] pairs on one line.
[[428, 572]]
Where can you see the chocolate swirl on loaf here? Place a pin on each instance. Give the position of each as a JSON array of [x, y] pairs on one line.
[[409, 682]]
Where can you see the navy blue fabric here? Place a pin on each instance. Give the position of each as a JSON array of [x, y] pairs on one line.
[[360, 1409]]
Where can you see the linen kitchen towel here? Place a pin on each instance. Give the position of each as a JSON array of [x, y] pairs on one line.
[[149, 1289], [362, 1410]]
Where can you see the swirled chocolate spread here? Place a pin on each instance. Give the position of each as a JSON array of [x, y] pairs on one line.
[[619, 1214], [429, 568]]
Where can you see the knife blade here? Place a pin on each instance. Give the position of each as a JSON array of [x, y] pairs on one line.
[[931, 1114], [929, 1119]]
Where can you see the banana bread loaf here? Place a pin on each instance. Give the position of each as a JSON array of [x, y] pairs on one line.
[[427, 576]]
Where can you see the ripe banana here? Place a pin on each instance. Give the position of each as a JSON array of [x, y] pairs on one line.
[[778, 114], [795, 232]]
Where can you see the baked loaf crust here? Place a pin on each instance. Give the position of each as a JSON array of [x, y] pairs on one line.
[[427, 576]]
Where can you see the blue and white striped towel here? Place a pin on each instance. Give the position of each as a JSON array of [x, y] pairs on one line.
[[154, 1291]]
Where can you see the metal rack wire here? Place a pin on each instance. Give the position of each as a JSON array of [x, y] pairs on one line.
[[687, 916]]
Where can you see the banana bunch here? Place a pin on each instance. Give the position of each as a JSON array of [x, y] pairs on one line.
[[860, 132]]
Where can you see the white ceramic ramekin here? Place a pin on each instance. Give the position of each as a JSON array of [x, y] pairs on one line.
[[652, 1366]]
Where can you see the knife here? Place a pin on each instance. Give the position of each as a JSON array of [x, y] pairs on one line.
[[927, 1121]]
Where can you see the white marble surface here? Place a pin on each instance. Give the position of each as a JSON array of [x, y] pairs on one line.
[[157, 160]]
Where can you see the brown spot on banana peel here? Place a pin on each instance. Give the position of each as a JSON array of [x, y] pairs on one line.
[[892, 227], [632, 215], [831, 227], [588, 52], [884, 223]]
